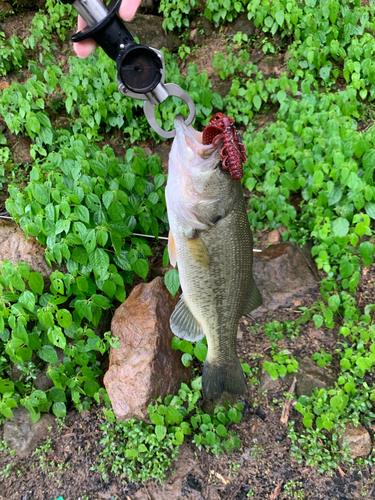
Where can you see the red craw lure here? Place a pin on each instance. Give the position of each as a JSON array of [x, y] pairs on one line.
[[221, 127]]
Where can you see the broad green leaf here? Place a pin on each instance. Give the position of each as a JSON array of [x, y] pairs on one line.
[[59, 409], [172, 281], [27, 299], [340, 227], [47, 353], [36, 282]]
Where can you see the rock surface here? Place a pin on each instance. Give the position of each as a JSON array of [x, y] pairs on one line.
[[21, 151], [22, 434], [15, 247], [310, 375], [145, 366], [283, 276], [357, 439], [243, 24], [149, 30]]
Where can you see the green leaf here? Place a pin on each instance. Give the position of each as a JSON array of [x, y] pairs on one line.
[[334, 196], [280, 17], [165, 256], [64, 318], [172, 281], [141, 268], [186, 359], [79, 255], [27, 299], [131, 453], [221, 430], [57, 395], [100, 262], [340, 227], [370, 210], [41, 194], [56, 336], [47, 353], [308, 419], [59, 409], [157, 419], [200, 351], [160, 431], [36, 282]]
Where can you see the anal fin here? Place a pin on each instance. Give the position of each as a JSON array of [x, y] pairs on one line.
[[183, 323], [255, 298]]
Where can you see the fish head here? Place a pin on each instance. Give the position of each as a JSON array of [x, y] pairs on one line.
[[199, 191]]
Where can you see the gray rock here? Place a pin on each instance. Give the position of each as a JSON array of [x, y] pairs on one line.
[[149, 30], [15, 247], [283, 276], [357, 439], [22, 435], [21, 151], [243, 24], [310, 376]]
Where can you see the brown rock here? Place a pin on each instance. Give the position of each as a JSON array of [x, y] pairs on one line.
[[196, 37], [21, 151], [4, 85], [357, 439], [147, 5], [274, 237], [283, 275], [5, 7], [145, 366], [15, 247]]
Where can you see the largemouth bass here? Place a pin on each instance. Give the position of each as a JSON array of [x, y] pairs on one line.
[[210, 238]]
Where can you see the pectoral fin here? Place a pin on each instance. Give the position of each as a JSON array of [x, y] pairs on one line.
[[255, 299], [199, 252], [172, 250], [183, 323]]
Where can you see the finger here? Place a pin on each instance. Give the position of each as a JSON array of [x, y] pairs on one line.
[[128, 9], [83, 49]]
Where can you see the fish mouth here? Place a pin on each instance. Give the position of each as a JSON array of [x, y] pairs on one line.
[[189, 140]]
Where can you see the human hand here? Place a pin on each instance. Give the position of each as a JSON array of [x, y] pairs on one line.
[[127, 11]]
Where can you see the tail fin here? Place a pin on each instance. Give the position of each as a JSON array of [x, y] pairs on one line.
[[219, 379]]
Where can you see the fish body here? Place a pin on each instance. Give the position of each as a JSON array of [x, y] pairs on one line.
[[210, 238]]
